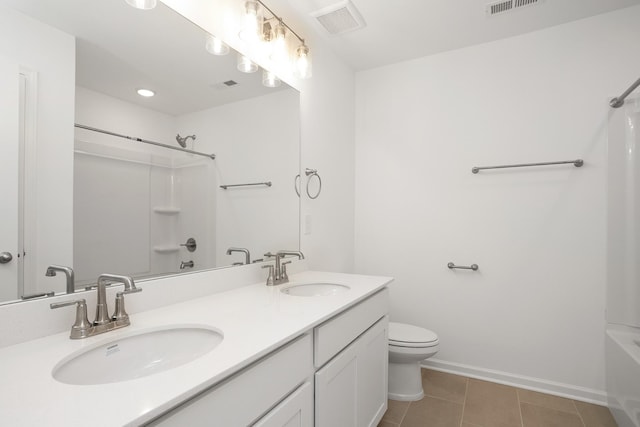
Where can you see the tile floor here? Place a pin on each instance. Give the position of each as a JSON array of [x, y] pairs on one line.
[[455, 401]]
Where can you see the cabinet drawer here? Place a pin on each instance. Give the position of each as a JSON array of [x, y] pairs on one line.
[[336, 333], [243, 398]]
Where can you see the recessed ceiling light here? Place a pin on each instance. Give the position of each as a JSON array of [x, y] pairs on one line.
[[146, 93]]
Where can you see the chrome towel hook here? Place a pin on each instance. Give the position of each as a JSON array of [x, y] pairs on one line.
[[310, 173]]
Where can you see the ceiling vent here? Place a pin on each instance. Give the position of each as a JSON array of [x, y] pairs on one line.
[[224, 85], [339, 18], [509, 5]]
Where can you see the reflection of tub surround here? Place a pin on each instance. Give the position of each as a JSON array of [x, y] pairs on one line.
[[68, 271], [247, 255], [82, 328]]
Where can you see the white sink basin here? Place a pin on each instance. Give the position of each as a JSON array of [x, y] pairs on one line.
[[136, 356], [315, 289]]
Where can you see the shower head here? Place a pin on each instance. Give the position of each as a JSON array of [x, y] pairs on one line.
[[182, 140]]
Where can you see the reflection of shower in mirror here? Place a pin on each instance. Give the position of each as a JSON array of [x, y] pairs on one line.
[[182, 140]]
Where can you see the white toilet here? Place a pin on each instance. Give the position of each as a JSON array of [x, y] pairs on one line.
[[408, 346]]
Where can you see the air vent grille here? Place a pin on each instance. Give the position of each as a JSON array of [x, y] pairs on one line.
[[224, 85], [509, 5], [339, 18]]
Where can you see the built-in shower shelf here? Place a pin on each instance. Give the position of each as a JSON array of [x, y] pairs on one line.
[[166, 210], [166, 249]]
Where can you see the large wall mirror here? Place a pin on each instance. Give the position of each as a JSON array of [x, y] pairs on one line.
[[78, 194]]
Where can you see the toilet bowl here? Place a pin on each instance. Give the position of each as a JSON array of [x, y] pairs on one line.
[[408, 346]]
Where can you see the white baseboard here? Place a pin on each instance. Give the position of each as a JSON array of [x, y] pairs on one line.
[[583, 394]]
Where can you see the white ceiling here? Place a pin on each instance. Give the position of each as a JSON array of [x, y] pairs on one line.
[[120, 49], [406, 29]]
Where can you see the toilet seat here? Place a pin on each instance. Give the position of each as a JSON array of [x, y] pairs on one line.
[[403, 335]]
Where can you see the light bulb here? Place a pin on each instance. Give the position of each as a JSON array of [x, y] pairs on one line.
[[215, 46], [147, 93], [303, 62], [246, 65], [142, 4], [250, 30], [280, 44], [269, 79]]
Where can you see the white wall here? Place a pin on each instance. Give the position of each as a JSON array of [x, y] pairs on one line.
[[534, 312], [51, 55], [255, 140]]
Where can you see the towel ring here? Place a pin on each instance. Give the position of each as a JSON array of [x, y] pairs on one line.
[[310, 173]]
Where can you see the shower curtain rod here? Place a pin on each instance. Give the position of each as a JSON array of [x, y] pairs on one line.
[[619, 101], [211, 156]]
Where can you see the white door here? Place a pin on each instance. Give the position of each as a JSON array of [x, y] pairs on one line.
[[373, 366], [9, 173], [351, 389], [337, 390]]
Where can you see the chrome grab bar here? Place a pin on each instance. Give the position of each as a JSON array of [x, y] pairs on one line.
[[267, 183], [577, 163], [473, 267]]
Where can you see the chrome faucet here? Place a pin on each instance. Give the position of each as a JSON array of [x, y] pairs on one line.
[[68, 271], [82, 328], [247, 256], [299, 254], [278, 273]]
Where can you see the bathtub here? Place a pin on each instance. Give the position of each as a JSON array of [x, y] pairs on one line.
[[623, 374]]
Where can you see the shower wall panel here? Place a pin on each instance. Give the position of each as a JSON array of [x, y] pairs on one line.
[[623, 275]]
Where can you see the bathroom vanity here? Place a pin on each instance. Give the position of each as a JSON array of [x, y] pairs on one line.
[[308, 356]]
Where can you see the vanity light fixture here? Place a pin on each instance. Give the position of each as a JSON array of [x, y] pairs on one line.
[[246, 65], [147, 93], [279, 51], [142, 4], [269, 79], [302, 62], [258, 29], [251, 28], [215, 46]]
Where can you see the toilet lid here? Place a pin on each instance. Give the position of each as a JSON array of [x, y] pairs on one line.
[[410, 335]]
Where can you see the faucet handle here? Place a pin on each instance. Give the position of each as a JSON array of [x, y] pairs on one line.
[[81, 327], [271, 255], [119, 313], [283, 271], [270, 276]]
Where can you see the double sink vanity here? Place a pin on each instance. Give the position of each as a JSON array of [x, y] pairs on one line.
[[312, 351]]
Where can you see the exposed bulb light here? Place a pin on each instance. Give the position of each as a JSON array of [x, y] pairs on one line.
[[251, 20], [269, 79], [279, 43], [147, 93], [302, 68], [215, 46], [142, 4], [246, 65]]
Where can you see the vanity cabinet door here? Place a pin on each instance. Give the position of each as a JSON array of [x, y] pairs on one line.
[[351, 390], [295, 411]]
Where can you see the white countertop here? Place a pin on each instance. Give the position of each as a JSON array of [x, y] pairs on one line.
[[255, 320]]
